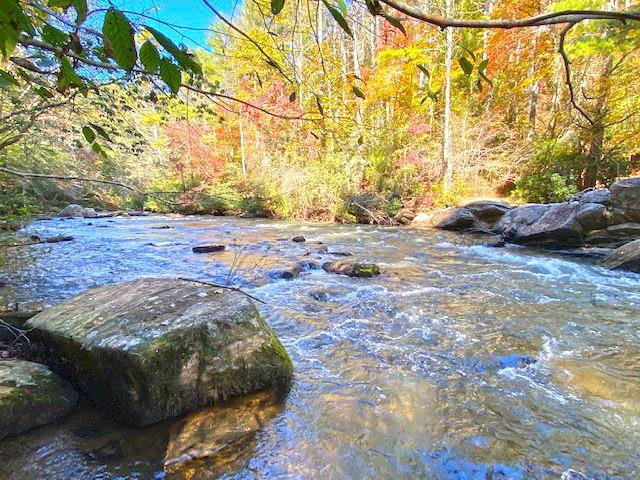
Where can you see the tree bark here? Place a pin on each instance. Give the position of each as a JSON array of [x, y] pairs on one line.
[[447, 167]]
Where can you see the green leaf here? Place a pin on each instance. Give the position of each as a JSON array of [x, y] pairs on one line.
[[68, 76], [357, 91], [43, 92], [343, 7], [6, 79], [64, 4], [89, 134], [170, 74], [13, 22], [149, 56], [424, 70], [292, 97], [276, 6], [395, 22], [184, 59], [337, 16], [101, 131], [482, 68], [119, 39], [466, 65], [98, 150], [52, 35], [81, 10]]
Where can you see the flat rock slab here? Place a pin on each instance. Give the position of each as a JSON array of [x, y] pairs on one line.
[[627, 257], [31, 395], [152, 349]]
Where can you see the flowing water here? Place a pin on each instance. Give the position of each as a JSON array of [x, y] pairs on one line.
[[460, 361]]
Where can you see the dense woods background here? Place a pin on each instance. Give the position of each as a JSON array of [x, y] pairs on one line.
[[373, 121]]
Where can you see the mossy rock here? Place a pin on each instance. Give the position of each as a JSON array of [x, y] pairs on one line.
[[153, 349], [352, 269], [31, 395]]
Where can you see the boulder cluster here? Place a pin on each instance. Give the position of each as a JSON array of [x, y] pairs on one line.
[[145, 351], [592, 218]]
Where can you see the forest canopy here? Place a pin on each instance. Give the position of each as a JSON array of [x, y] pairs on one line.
[[324, 110]]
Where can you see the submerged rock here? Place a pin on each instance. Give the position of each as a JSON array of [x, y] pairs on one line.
[[152, 349], [352, 269], [627, 257], [298, 239], [216, 439], [31, 395]]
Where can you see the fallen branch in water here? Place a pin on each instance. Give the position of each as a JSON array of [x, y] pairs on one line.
[[373, 215], [16, 332], [226, 287]]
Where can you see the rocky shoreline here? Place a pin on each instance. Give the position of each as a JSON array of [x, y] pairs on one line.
[[593, 219]]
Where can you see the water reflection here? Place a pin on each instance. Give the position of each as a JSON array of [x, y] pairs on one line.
[[459, 362]]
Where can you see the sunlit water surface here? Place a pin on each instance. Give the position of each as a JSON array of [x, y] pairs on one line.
[[460, 361]]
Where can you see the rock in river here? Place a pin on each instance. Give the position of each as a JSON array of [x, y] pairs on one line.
[[31, 395], [152, 349], [627, 257], [208, 248], [352, 269]]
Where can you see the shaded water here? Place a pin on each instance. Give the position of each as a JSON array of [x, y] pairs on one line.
[[460, 361]]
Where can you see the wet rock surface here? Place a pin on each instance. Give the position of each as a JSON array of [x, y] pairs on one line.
[[626, 257], [155, 348], [214, 441], [208, 248], [593, 218], [31, 395], [352, 269]]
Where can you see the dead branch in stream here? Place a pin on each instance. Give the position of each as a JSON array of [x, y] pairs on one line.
[[226, 287]]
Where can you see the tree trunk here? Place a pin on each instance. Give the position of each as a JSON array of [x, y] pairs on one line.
[[447, 156]]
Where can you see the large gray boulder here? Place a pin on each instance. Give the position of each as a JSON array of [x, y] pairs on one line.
[[31, 395], [488, 211], [453, 218], [627, 257], [592, 216], [554, 225], [519, 217], [598, 195], [152, 349], [72, 210], [625, 196]]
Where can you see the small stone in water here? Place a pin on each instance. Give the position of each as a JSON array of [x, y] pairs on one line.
[[298, 239], [208, 248]]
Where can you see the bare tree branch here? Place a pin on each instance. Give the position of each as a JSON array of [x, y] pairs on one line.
[[567, 73], [555, 18]]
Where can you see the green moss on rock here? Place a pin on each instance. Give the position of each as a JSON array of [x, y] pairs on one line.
[[31, 395], [156, 348]]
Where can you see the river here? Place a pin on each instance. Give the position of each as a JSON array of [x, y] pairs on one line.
[[460, 361]]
